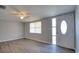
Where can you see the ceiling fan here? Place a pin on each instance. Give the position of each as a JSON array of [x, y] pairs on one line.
[[17, 12], [20, 13]]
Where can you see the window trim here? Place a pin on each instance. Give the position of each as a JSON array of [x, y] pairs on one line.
[[35, 28]]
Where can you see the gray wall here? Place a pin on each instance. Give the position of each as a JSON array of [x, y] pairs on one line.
[[77, 28], [46, 35], [11, 30]]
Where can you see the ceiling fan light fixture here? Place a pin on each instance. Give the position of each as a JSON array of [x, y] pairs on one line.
[[22, 17]]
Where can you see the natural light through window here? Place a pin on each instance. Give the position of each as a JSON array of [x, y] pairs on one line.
[[63, 27], [35, 27], [54, 31], [54, 22]]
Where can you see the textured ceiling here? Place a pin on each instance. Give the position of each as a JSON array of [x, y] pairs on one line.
[[36, 11]]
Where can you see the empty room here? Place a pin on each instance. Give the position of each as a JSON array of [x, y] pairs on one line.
[[39, 28]]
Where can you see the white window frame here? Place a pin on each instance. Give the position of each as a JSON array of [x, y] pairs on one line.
[[35, 28]]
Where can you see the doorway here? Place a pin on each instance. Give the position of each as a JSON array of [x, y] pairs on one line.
[[54, 31]]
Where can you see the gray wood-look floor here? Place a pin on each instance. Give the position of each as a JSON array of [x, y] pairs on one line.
[[30, 46]]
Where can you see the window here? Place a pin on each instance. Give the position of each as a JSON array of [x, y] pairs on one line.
[[54, 22], [54, 31], [35, 27], [63, 27]]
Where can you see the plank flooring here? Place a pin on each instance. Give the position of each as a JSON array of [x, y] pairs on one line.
[[30, 46]]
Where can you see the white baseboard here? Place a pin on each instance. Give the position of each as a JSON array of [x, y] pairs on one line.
[[10, 39], [40, 41]]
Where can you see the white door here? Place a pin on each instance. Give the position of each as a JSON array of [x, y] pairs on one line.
[[65, 30]]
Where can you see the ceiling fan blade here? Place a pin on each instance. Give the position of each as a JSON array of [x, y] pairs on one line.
[[26, 17], [12, 7], [13, 12], [19, 12], [16, 9], [22, 13]]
